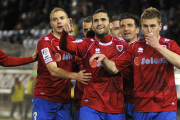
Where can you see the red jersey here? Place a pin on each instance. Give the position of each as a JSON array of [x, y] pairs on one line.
[[104, 91], [48, 87], [3, 57], [128, 84], [154, 84], [8, 61]]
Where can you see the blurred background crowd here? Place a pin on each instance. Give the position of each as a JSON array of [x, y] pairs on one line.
[[23, 22]]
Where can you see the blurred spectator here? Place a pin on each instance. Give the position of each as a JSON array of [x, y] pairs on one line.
[[29, 96], [17, 97]]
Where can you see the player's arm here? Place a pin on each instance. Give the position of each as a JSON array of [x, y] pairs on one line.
[[106, 63], [66, 43], [81, 76], [170, 56], [9, 61]]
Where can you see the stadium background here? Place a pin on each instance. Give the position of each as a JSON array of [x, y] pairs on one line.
[[23, 22]]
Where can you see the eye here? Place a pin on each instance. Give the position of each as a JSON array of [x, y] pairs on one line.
[[122, 26], [62, 18], [130, 25], [54, 19], [116, 28], [85, 30], [95, 20], [103, 19], [153, 26]]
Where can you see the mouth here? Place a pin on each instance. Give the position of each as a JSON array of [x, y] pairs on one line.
[[100, 28], [60, 27], [126, 33]]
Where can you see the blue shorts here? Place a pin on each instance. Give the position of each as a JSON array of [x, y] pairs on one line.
[[165, 115], [129, 107], [87, 113], [76, 115], [47, 110]]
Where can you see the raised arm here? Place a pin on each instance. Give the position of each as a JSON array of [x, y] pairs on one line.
[[8, 61], [106, 63], [170, 56], [66, 43]]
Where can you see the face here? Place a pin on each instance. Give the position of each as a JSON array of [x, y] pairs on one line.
[[58, 20], [86, 27], [151, 25], [115, 31], [101, 25], [128, 30]]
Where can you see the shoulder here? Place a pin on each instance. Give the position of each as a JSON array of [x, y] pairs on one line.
[[45, 39]]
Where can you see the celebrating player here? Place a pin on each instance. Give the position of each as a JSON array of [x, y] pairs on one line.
[[153, 58], [52, 92]]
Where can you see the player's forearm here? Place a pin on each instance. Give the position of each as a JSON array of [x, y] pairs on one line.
[[65, 44], [109, 66], [13, 61], [170, 56], [61, 73]]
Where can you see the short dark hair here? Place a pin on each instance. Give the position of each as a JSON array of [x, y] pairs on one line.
[[115, 18], [130, 16], [88, 19], [103, 11]]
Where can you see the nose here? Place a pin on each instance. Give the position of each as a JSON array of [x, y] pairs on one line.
[[149, 30], [59, 21], [125, 28], [99, 22]]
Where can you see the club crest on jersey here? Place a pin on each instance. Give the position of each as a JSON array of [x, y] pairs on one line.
[[97, 50], [164, 46], [140, 50], [57, 57], [119, 48]]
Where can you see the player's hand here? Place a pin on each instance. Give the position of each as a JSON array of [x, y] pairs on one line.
[[83, 77], [35, 55], [96, 58], [152, 40], [68, 27]]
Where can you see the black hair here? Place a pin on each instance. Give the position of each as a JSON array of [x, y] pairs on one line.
[[103, 11], [131, 16]]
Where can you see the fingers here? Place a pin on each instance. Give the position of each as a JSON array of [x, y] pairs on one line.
[[95, 56], [71, 24]]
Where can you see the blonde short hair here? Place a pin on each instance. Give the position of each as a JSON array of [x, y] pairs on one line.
[[151, 13], [56, 9]]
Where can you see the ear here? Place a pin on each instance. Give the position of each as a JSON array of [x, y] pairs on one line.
[[92, 27], [160, 26], [110, 25], [137, 30], [51, 24]]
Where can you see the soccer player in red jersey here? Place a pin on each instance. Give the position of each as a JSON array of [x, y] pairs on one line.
[[153, 58], [115, 30], [52, 92], [8, 61], [79, 87], [103, 96], [129, 25]]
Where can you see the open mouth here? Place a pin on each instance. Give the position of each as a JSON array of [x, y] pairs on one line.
[[126, 33]]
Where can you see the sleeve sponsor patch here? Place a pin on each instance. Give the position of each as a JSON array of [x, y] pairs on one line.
[[46, 55], [78, 41]]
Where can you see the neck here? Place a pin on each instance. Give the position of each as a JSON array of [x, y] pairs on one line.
[[56, 34], [105, 39]]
